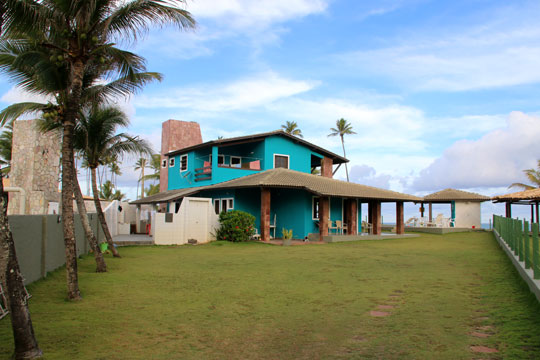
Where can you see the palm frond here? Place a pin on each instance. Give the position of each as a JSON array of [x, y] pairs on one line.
[[15, 111]]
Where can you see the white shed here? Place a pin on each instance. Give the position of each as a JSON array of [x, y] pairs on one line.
[[464, 206]]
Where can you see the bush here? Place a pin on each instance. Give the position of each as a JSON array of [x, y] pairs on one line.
[[236, 226]]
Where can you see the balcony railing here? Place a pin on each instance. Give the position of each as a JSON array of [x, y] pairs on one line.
[[203, 173]]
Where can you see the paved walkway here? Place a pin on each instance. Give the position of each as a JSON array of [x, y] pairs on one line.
[[133, 239]]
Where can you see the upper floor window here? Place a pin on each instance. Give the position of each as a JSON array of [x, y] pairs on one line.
[[164, 163], [281, 161], [171, 162], [236, 161], [183, 162]]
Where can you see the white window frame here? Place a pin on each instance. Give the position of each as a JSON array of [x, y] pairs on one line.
[[313, 205], [220, 201], [171, 162], [221, 157], [187, 159], [239, 165], [288, 160]]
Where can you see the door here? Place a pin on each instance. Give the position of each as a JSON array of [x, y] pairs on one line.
[[197, 218]]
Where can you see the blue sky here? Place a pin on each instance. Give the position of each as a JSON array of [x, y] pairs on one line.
[[441, 93]]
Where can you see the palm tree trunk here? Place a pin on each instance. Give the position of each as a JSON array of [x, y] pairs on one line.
[[90, 236], [26, 346], [101, 216], [344, 155], [142, 182]]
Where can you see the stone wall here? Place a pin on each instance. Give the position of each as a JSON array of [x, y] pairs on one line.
[[35, 167]]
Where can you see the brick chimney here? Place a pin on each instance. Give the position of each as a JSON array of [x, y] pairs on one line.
[[176, 135], [326, 167]]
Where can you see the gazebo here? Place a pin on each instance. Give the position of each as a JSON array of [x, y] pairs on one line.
[[464, 206], [527, 197]]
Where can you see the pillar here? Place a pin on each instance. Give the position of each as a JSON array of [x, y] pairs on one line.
[[376, 217], [508, 209], [422, 209], [430, 212], [400, 222], [327, 167], [352, 216], [265, 214], [537, 208], [324, 208], [370, 213]]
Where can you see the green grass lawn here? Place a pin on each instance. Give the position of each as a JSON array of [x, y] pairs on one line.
[[257, 301]]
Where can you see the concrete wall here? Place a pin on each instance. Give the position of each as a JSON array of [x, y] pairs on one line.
[[468, 215], [39, 242], [195, 219]]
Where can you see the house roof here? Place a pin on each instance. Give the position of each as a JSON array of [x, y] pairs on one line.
[[447, 195], [337, 159], [285, 178], [531, 195]]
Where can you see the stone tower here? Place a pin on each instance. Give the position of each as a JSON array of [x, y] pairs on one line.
[[176, 135], [35, 167]]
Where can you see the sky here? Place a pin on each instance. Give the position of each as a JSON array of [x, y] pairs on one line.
[[440, 93]]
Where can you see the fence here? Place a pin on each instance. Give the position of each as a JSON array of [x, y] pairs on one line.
[[520, 241], [39, 242]]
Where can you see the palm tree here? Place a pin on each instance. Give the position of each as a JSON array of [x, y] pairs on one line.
[[6, 140], [79, 34], [107, 192], [26, 346], [115, 171], [155, 165], [96, 140], [343, 127], [152, 189], [533, 176], [291, 127], [140, 165]]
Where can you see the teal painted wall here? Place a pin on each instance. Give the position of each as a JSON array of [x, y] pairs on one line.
[[299, 155], [299, 160], [359, 207]]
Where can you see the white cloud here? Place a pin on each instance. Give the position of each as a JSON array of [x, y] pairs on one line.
[[239, 95], [367, 175], [242, 14], [495, 54], [17, 95], [495, 160]]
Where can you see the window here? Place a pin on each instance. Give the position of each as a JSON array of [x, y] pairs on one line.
[[236, 161], [183, 162], [315, 208], [171, 162], [281, 161], [164, 163], [224, 204], [221, 159]]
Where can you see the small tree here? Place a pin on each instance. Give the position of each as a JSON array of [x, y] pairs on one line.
[[236, 226]]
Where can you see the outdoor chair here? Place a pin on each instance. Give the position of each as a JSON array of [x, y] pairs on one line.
[[367, 227], [273, 226], [412, 221], [341, 226], [331, 227], [438, 222]]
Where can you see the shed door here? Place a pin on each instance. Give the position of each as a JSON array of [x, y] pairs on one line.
[[197, 220]]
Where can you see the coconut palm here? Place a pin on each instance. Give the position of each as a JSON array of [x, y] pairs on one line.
[[152, 189], [95, 138], [115, 170], [78, 34], [291, 127], [343, 127], [533, 176], [140, 165], [107, 192], [6, 140]]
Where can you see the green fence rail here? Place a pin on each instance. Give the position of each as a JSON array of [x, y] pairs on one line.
[[522, 238]]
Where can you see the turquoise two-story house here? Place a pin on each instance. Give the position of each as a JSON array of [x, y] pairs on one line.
[[271, 176]]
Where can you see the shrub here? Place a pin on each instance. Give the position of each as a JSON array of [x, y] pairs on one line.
[[236, 226]]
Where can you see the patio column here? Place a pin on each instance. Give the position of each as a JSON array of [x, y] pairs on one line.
[[537, 212], [370, 213], [422, 209], [323, 217], [265, 214], [430, 212], [352, 217], [326, 167], [508, 209], [400, 223], [376, 217]]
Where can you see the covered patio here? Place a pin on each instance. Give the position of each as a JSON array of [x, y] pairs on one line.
[[465, 211], [526, 197]]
